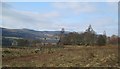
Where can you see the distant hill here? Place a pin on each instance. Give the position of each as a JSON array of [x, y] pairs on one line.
[[28, 33]]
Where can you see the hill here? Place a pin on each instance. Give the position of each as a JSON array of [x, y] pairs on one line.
[[28, 33]]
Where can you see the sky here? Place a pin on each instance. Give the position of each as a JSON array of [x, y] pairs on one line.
[[72, 16]]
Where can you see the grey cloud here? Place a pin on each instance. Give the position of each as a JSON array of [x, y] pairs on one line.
[[20, 19], [76, 7]]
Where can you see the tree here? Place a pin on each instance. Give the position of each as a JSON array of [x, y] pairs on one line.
[[86, 38], [36, 42], [6, 42], [101, 40], [22, 42], [89, 36], [73, 38], [114, 40]]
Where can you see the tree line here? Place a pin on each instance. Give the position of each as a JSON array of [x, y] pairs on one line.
[[19, 42], [89, 37]]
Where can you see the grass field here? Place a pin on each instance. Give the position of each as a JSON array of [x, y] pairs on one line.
[[69, 56]]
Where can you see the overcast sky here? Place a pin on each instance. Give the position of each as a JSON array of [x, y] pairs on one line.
[[73, 16]]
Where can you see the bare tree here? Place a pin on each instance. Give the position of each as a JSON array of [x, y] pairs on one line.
[[89, 36], [61, 40]]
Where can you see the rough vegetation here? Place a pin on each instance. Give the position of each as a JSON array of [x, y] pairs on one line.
[[67, 56]]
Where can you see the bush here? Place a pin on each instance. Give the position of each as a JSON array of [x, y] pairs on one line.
[[6, 52], [101, 40]]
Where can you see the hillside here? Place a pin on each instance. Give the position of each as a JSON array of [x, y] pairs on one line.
[[28, 34]]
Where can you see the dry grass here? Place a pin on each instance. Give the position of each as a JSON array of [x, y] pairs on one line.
[[69, 56]]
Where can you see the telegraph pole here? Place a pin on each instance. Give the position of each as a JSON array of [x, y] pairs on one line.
[[60, 42]]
